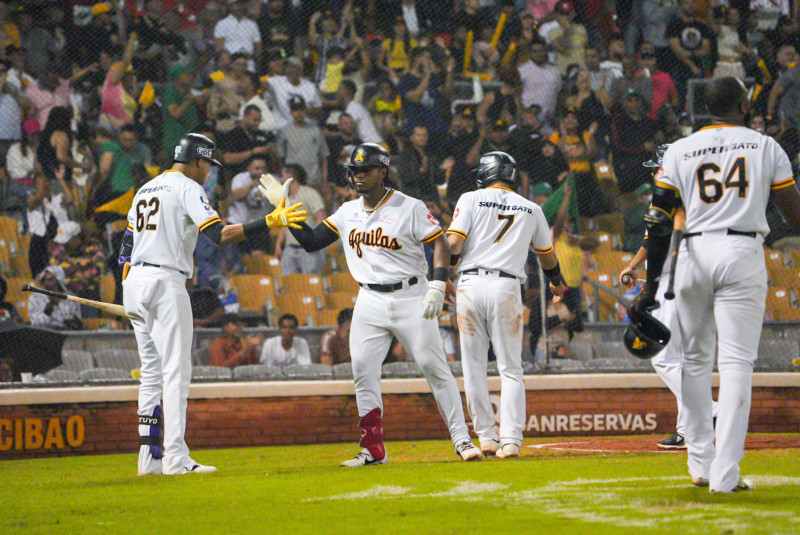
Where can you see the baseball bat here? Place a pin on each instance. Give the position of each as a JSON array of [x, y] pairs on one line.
[[670, 293], [117, 310], [627, 279]]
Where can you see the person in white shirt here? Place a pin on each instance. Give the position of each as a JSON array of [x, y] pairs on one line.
[[247, 87], [50, 312], [365, 127], [237, 33], [286, 349], [246, 201], [541, 81], [283, 88], [293, 258]]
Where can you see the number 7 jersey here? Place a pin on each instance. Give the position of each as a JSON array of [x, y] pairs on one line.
[[166, 216], [498, 226], [724, 174]]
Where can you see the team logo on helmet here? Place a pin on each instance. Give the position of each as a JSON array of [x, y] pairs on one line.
[[487, 159], [359, 157], [205, 152], [178, 151], [638, 344]]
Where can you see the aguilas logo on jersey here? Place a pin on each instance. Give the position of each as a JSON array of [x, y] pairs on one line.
[[373, 238]]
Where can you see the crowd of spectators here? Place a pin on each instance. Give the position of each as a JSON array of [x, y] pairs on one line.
[[93, 100]]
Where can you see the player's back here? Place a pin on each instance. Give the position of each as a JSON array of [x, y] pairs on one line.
[[164, 218], [724, 174], [501, 226]]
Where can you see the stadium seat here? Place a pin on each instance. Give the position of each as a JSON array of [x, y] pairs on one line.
[[607, 302], [326, 317], [260, 264], [201, 356], [774, 259], [305, 307], [259, 371], [342, 282], [784, 277], [62, 376], [121, 359], [611, 364], [19, 262], [611, 261], [343, 370], [610, 350], [76, 360], [456, 367], [111, 344], [105, 374], [582, 352], [302, 284], [211, 372], [394, 370], [253, 291], [564, 365], [779, 305], [340, 300], [777, 354], [17, 297], [308, 372]]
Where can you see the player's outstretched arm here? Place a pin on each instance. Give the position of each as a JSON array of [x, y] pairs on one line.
[[787, 200], [552, 269], [279, 218], [315, 239]]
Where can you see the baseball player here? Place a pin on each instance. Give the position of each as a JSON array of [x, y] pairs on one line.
[[167, 214], [723, 176], [490, 233], [668, 361], [384, 232]]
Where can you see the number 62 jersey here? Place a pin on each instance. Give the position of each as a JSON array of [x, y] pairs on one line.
[[166, 216], [498, 225], [724, 174]]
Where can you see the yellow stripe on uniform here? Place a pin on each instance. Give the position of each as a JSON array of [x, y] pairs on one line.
[[670, 187], [544, 251], [433, 236], [208, 222], [457, 233], [130, 227], [783, 183], [669, 214], [331, 226]]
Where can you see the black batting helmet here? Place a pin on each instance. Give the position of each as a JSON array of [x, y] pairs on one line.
[[366, 156], [658, 156], [646, 336], [496, 165], [193, 147]]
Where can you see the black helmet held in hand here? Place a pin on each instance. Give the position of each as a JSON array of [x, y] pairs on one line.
[[658, 157], [645, 336], [366, 156], [193, 147], [496, 165]]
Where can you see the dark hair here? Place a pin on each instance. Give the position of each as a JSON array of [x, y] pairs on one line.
[[251, 107], [130, 128], [255, 157], [291, 317], [297, 172], [254, 79], [59, 120], [723, 95], [4, 291], [414, 54], [345, 315], [349, 86], [231, 318], [238, 55]]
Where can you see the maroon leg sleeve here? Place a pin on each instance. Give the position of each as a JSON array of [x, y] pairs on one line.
[[372, 434]]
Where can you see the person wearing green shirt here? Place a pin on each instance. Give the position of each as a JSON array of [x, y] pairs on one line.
[[180, 107], [114, 168]]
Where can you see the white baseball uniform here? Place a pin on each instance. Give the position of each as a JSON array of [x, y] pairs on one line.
[[386, 248], [165, 218], [497, 225], [723, 174]]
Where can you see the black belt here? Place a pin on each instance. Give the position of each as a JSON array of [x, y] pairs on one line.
[[386, 288], [148, 264], [476, 271], [731, 232], [295, 245]]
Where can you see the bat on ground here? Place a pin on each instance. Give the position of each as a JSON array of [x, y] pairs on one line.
[[670, 293], [117, 310]]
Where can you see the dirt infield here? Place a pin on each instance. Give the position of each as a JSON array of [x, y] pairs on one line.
[[647, 443]]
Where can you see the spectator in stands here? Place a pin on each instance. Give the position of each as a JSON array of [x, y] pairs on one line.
[[591, 112], [668, 128], [780, 128], [387, 123], [119, 90], [36, 39], [492, 137], [12, 106], [284, 87], [195, 50], [567, 37], [463, 135], [597, 76], [8, 312], [244, 142], [541, 81], [83, 261], [224, 100], [18, 77], [345, 98], [664, 91], [541, 192], [730, 47], [294, 259], [279, 28], [181, 108], [344, 135], [589, 197], [207, 310], [334, 346], [301, 142], [138, 152], [45, 212], [247, 88], [114, 169], [418, 168], [20, 164], [632, 78], [247, 202], [394, 56], [526, 146], [232, 349], [48, 92], [612, 65], [329, 35], [690, 42], [55, 146], [238, 34], [100, 35], [632, 141], [49, 312], [569, 132], [634, 219], [504, 102], [784, 98], [425, 93], [485, 59], [549, 165], [287, 348], [385, 99], [657, 14]]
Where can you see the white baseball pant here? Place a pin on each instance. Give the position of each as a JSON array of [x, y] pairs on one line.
[[722, 279], [490, 309], [158, 306], [377, 317]]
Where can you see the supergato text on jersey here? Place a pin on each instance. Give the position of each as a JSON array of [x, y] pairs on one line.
[[719, 150], [490, 204], [373, 238]]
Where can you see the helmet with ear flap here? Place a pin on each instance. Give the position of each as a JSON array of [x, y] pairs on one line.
[[366, 156]]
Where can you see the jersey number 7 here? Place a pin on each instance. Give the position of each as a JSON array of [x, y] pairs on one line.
[[736, 179], [509, 220], [142, 220]]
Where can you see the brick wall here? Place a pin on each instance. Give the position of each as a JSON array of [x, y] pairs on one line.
[[110, 427]]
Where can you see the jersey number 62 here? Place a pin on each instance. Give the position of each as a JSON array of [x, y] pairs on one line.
[[142, 218]]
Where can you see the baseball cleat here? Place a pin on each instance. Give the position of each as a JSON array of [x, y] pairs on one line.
[[508, 451], [468, 451], [194, 469], [699, 482], [743, 484], [489, 447], [674, 442], [364, 458]]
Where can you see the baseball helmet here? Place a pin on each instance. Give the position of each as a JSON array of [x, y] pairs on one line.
[[193, 147], [366, 156], [658, 156], [496, 165], [645, 336]]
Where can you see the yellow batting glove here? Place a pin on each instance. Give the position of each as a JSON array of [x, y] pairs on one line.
[[125, 269], [286, 217]]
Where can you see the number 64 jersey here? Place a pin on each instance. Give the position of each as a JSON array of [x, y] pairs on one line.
[[724, 174], [498, 225], [166, 216]]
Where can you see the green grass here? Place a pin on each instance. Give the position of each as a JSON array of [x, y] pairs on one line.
[[424, 489]]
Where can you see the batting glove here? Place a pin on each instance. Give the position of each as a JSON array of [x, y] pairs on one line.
[[273, 190], [286, 217], [434, 300]]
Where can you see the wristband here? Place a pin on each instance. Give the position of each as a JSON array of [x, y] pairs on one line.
[[554, 274], [256, 228], [440, 274], [454, 258]]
